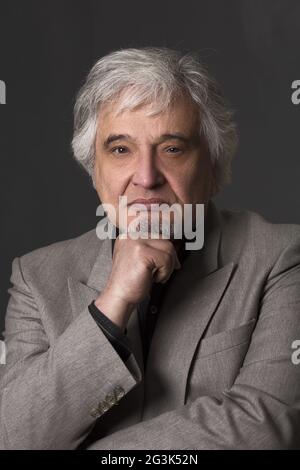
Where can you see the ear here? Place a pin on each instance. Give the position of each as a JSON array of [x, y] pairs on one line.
[[93, 178], [213, 177], [94, 173]]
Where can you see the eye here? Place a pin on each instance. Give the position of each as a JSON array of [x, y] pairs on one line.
[[173, 150], [119, 150]]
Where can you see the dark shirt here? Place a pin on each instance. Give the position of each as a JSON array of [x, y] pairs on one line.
[[147, 310]]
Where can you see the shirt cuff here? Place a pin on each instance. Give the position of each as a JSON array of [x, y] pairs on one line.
[[113, 332]]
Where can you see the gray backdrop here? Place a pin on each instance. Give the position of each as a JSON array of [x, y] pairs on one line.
[[46, 49]]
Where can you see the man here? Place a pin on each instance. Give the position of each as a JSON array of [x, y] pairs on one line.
[[140, 343]]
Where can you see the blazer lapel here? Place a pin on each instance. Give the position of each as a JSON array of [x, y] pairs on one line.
[[190, 302]]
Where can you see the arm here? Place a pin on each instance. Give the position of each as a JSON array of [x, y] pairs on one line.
[[49, 389], [262, 408]]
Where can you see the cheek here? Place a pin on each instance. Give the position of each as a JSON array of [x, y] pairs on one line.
[[202, 176], [110, 184], [184, 182], [193, 184]]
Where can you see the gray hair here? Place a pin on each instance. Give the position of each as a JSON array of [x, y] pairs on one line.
[[156, 76]]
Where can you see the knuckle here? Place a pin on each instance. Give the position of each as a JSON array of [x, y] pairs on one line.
[[169, 247], [138, 249]]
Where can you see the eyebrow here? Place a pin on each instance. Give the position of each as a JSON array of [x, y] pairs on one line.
[[177, 135], [114, 137]]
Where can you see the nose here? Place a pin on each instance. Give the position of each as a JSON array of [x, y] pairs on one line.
[[147, 174]]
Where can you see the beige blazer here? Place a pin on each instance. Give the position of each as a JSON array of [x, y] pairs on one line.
[[219, 375]]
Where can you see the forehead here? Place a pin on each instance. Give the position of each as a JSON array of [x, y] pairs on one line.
[[181, 116]]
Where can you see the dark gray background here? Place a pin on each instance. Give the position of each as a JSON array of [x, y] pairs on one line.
[[46, 49]]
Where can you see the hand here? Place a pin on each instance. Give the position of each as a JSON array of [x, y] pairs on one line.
[[136, 264]]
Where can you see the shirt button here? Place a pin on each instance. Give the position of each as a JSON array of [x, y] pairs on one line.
[[153, 309]]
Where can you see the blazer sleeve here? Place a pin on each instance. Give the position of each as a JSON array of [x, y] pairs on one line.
[[262, 408], [51, 392]]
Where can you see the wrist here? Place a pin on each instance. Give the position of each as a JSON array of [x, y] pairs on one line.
[[115, 308]]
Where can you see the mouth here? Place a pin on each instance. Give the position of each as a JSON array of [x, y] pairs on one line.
[[148, 203]]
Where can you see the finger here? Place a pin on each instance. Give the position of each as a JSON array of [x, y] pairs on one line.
[[169, 248], [164, 266]]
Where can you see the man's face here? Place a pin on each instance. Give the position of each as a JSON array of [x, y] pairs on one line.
[[145, 157]]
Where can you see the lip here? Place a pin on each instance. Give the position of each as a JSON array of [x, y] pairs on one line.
[[148, 202]]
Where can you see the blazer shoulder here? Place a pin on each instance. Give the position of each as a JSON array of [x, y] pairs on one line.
[[62, 255], [254, 233], [257, 225]]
